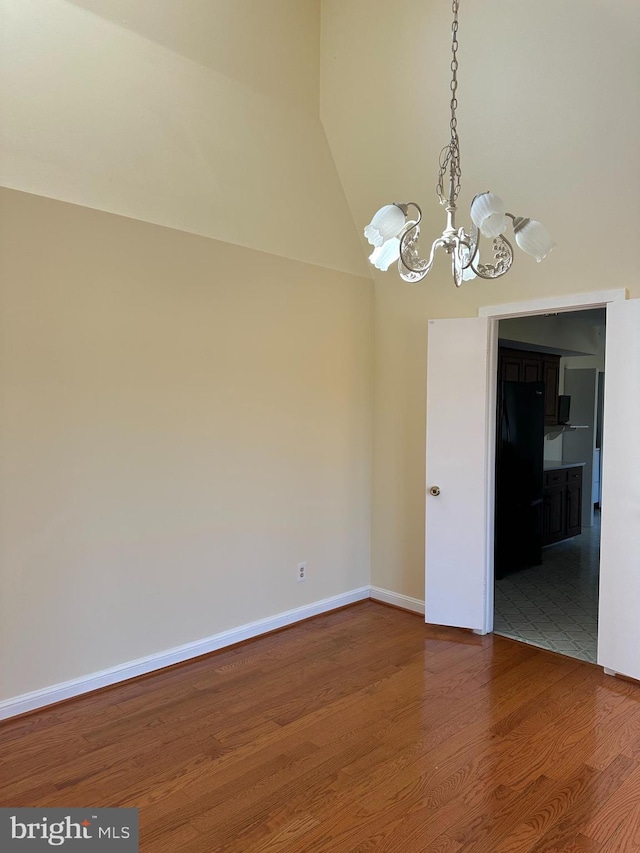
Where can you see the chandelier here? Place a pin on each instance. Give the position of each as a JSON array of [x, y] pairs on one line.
[[395, 237]]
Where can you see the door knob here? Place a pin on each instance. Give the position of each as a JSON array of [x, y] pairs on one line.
[[435, 491]]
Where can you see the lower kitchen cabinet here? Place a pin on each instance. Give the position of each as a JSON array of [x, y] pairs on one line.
[[562, 494], [554, 526], [574, 501]]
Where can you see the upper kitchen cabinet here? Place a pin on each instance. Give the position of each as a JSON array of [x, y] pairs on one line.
[[551, 378], [523, 366]]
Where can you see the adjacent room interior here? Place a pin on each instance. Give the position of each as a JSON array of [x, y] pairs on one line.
[[548, 472]]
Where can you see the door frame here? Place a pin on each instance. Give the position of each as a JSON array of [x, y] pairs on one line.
[[530, 308]]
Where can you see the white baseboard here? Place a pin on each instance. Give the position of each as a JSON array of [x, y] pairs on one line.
[[397, 599], [67, 689]]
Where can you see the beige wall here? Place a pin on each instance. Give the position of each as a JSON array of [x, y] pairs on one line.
[[181, 132], [546, 121], [186, 333], [183, 420]]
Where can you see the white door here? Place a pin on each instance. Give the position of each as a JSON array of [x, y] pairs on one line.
[[619, 614], [458, 425]]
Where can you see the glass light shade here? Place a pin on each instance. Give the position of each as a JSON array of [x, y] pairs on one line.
[[388, 222], [533, 238], [489, 214], [467, 271], [383, 256]]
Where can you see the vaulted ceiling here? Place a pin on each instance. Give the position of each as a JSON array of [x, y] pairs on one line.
[[271, 45], [548, 118]]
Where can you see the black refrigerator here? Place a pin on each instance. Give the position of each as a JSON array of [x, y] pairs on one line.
[[519, 472]]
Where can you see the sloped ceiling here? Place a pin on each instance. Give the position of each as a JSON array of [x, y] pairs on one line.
[[548, 118], [200, 115], [272, 46], [548, 115]]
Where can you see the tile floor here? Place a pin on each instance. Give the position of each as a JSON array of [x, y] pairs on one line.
[[555, 605]]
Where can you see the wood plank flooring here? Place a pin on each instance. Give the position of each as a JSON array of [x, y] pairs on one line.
[[360, 730]]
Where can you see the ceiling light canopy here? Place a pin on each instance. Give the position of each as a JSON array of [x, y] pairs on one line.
[[394, 235]]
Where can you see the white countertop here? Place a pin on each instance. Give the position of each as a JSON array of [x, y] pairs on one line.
[[558, 466]]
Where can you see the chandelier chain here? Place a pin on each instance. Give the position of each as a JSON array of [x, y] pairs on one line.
[[394, 235], [450, 154]]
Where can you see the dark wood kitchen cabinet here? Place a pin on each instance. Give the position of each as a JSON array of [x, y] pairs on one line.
[[551, 379], [516, 365], [574, 501], [562, 504], [555, 514]]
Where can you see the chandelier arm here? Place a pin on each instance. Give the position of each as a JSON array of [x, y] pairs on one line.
[[406, 267], [503, 256], [473, 254], [409, 257], [404, 207], [518, 222], [458, 263], [471, 242], [456, 272]]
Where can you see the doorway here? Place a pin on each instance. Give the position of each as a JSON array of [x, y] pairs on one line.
[[549, 386], [460, 461]]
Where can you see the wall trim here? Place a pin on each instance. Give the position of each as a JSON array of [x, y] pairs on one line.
[[123, 672], [406, 602], [565, 302]]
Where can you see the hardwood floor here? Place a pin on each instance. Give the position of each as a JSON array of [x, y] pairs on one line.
[[360, 730]]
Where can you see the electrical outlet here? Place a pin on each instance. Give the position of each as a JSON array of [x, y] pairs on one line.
[[302, 572]]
